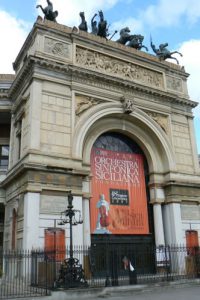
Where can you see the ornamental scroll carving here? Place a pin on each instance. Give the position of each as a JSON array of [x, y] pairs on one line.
[[174, 83], [57, 48], [161, 120], [116, 67]]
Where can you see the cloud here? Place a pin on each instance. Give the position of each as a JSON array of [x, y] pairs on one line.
[[134, 25], [13, 32], [69, 12], [169, 12], [191, 61]]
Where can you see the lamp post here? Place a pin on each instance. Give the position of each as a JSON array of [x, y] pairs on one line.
[[71, 271]]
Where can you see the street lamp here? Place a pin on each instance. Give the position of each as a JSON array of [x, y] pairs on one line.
[[71, 271]]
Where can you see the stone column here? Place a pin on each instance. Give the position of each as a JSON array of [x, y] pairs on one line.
[[31, 221], [158, 224], [77, 231], [86, 222], [174, 236], [157, 198], [173, 224], [86, 212]]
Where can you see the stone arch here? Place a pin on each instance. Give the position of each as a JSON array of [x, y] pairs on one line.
[[137, 125]]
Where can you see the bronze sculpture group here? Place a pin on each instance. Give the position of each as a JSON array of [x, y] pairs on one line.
[[134, 40], [101, 29], [48, 12]]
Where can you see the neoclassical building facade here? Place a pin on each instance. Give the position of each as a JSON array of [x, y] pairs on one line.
[[106, 122]]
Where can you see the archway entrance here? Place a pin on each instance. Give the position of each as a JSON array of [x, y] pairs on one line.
[[121, 216]]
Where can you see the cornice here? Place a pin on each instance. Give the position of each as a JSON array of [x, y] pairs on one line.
[[22, 168], [181, 184], [27, 70], [93, 78]]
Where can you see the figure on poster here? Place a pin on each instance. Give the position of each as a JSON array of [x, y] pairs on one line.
[[103, 215]]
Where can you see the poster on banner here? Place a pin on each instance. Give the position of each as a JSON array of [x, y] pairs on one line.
[[119, 202]]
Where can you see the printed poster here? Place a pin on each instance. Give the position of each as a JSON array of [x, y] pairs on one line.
[[119, 202]]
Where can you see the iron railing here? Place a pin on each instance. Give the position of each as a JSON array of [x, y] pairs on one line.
[[36, 273]]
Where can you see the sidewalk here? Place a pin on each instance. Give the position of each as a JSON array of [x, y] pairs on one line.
[[110, 291]]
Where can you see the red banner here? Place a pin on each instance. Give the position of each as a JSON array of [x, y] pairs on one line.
[[119, 202]]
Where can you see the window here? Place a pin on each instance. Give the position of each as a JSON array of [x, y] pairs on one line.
[[4, 155]]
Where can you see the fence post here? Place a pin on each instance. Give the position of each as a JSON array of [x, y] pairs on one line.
[[46, 274], [107, 282], [114, 267], [167, 261]]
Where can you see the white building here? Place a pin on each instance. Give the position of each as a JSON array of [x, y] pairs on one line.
[[74, 94]]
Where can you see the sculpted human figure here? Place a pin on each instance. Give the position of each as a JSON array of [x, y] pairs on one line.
[[48, 12], [102, 26], [128, 105], [94, 25], [83, 26]]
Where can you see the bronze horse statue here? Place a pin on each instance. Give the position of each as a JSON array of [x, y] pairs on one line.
[[134, 40], [163, 53], [124, 36], [48, 12]]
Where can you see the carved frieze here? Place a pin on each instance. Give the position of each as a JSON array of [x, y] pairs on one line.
[[116, 67], [162, 120], [57, 48], [83, 103], [174, 83]]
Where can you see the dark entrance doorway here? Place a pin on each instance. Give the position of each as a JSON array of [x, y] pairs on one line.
[[110, 247]]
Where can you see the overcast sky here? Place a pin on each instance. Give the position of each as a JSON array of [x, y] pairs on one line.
[[174, 21]]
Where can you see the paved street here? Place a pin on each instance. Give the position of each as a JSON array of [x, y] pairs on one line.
[[164, 293]]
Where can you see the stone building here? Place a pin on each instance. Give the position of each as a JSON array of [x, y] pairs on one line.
[[74, 94]]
